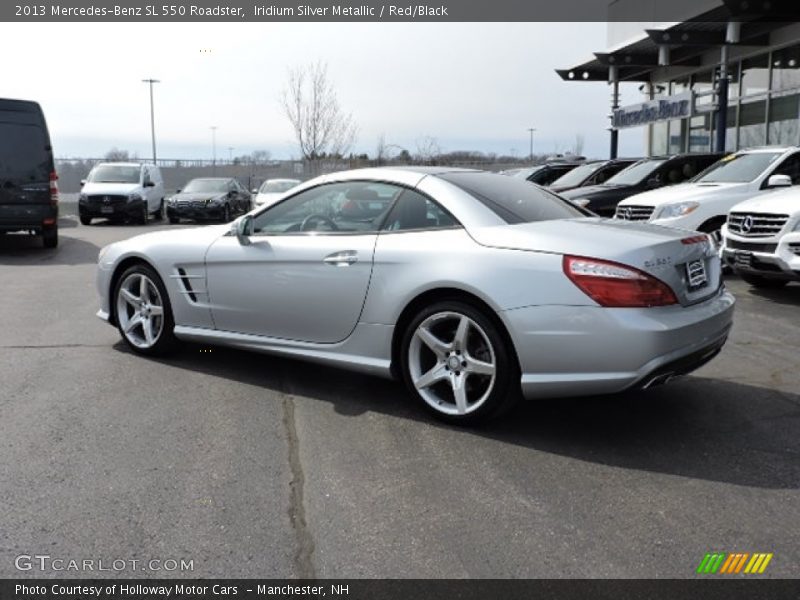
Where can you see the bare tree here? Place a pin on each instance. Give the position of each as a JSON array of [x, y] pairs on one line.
[[381, 151], [428, 149], [320, 125], [117, 155]]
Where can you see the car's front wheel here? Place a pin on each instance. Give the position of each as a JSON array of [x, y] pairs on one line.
[[764, 282], [457, 362], [226, 214], [143, 312]]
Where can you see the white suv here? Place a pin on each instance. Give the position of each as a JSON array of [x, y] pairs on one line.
[[704, 202], [761, 239], [122, 191]]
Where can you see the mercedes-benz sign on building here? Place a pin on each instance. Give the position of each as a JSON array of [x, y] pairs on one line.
[[725, 77]]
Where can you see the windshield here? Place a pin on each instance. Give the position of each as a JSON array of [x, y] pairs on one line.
[[636, 173], [738, 168], [206, 186], [114, 174], [277, 187], [577, 175], [513, 200]]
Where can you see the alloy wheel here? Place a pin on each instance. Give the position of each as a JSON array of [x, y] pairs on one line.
[[452, 363], [140, 310]]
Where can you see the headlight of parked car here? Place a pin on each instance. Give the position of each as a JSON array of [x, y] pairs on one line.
[[217, 200], [82, 198], [679, 209], [582, 202], [134, 198]]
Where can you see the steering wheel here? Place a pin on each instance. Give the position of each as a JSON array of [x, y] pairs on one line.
[[310, 219]]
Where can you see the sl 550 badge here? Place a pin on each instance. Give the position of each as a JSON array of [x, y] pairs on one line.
[[657, 262]]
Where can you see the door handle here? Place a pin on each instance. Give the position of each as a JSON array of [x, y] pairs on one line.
[[345, 258]]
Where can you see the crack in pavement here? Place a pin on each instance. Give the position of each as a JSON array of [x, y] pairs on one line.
[[297, 513]]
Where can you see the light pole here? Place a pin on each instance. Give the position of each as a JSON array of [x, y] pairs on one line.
[[214, 149], [230, 154], [152, 115], [531, 129]]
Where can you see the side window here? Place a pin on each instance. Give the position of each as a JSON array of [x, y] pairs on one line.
[[415, 211], [344, 207], [790, 167], [675, 172]]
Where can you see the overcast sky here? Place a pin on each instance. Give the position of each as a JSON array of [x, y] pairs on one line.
[[472, 86]]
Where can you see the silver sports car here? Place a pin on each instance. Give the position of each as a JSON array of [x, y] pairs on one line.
[[469, 286]]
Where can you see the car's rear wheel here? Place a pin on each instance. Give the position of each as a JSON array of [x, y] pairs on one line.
[[764, 282], [143, 312], [86, 220], [144, 215], [457, 362], [50, 237]]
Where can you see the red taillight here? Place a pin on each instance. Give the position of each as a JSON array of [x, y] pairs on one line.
[[615, 285], [53, 188]]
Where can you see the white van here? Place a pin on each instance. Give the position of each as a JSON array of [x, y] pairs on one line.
[[703, 203], [122, 191], [761, 239]]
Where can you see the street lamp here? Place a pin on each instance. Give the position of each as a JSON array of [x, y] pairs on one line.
[[152, 115], [531, 129], [230, 154], [214, 148]]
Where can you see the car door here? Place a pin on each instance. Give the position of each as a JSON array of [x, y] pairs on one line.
[[304, 271]]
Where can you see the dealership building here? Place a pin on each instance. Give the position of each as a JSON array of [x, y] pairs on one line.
[[725, 77]]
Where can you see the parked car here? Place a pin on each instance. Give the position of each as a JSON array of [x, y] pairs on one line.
[[469, 286], [761, 239], [28, 188], [544, 174], [273, 190], [593, 172], [122, 191], [703, 203], [646, 174], [209, 199]]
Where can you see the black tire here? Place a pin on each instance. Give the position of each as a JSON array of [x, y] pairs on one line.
[[173, 220], [159, 214], [144, 216], [50, 237], [166, 341], [496, 397], [766, 283], [85, 220]]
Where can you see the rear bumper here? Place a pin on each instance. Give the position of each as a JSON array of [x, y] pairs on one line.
[[36, 217], [585, 350], [769, 258]]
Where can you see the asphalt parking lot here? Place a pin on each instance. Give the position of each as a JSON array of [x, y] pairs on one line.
[[255, 466]]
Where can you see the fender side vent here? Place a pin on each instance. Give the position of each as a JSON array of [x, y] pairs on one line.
[[187, 285]]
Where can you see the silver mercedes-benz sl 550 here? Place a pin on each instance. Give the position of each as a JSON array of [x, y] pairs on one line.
[[473, 288]]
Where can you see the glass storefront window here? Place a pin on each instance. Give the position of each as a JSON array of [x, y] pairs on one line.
[[700, 134], [752, 126], [658, 139], [701, 83], [755, 75], [786, 68], [784, 120], [677, 135]]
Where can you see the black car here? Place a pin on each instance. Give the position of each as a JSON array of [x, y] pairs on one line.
[[209, 199], [28, 190], [646, 174], [544, 174], [593, 172]]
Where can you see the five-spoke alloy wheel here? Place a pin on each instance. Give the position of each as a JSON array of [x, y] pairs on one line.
[[456, 361], [143, 312]]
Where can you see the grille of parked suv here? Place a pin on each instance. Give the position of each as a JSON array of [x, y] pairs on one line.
[[750, 246], [634, 213], [106, 200], [756, 224]]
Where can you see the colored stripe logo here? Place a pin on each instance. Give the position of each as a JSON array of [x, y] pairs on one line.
[[725, 563]]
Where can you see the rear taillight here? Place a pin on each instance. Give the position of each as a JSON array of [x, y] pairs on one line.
[[615, 285], [53, 188]]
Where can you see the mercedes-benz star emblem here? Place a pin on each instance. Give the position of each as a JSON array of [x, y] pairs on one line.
[[628, 213], [747, 224]]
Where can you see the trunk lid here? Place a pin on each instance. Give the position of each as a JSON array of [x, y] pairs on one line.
[[685, 260]]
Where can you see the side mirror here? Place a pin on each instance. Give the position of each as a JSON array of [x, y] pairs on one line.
[[779, 181], [242, 228], [178, 191], [83, 182]]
